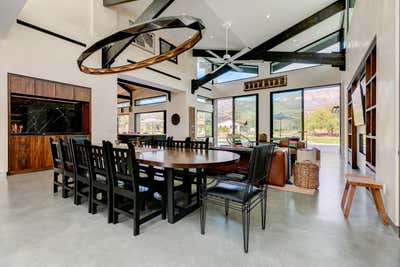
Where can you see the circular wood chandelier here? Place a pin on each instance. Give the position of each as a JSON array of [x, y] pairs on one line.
[[150, 26]]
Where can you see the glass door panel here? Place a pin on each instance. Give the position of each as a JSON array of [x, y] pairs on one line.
[[224, 120], [246, 116], [287, 114]]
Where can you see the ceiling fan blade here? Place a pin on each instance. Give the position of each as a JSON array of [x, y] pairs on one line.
[[254, 61], [234, 67], [241, 53], [214, 55], [217, 69]]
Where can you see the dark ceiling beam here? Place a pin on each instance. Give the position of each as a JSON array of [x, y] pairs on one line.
[[303, 25], [109, 3], [333, 59], [196, 84], [219, 52], [127, 89], [154, 10], [258, 52]]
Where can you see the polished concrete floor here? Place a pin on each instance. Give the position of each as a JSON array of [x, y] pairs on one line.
[[38, 228]]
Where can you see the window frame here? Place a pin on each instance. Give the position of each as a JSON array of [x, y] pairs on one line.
[[341, 43], [271, 115], [214, 66], [152, 97], [146, 112], [233, 114], [212, 122]]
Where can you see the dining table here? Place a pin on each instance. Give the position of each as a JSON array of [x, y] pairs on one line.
[[183, 158]]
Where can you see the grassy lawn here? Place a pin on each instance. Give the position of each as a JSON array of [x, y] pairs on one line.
[[323, 140]]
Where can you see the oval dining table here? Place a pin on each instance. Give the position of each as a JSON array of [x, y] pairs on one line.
[[174, 158]]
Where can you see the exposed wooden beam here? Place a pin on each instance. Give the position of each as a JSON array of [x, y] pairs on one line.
[[109, 3], [127, 89], [196, 84], [334, 59], [219, 52], [259, 51], [303, 25], [154, 10]]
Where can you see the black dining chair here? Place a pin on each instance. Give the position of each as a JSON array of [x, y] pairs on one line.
[[242, 196], [128, 198], [83, 185], [67, 167], [101, 187], [57, 168]]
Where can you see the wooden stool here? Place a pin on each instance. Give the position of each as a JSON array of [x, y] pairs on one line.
[[352, 181]]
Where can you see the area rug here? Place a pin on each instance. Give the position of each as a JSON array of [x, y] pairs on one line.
[[294, 189]]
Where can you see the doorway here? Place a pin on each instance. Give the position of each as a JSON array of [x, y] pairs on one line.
[[313, 114]]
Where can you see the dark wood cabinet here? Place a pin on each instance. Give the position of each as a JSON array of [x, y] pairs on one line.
[[21, 85], [64, 91], [82, 94], [45, 88], [28, 153]]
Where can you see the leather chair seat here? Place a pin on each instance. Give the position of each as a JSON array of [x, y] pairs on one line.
[[234, 191]]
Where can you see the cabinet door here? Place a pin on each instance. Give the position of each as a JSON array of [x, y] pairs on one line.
[[45, 88], [64, 91], [82, 94], [21, 85]]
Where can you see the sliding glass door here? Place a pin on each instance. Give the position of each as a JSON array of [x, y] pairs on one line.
[[237, 116], [313, 114], [287, 114], [245, 115]]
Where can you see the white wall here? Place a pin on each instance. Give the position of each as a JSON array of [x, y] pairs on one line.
[[29, 52], [309, 77], [381, 19]]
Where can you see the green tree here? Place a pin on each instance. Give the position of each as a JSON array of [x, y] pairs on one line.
[[323, 120]]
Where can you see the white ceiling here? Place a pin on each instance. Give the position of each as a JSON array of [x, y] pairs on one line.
[[250, 25], [9, 11]]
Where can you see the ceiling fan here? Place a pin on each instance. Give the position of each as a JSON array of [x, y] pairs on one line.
[[228, 59]]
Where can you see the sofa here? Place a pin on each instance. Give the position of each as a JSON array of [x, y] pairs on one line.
[[279, 168]]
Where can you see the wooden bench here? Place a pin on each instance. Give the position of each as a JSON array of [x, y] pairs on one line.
[[352, 181]]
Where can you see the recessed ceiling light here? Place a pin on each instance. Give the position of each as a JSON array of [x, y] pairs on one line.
[[294, 40], [184, 14], [268, 16], [211, 36]]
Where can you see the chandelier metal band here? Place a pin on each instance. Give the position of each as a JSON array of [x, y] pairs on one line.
[[150, 26]]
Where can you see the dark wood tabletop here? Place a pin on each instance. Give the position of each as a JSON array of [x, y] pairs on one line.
[[187, 158]]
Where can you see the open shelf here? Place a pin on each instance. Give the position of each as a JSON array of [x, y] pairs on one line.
[[370, 106]]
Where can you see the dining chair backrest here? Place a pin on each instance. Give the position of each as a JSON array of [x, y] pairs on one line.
[[54, 153], [64, 152], [180, 143], [203, 145], [97, 161], [162, 143], [79, 157], [260, 164], [123, 164]]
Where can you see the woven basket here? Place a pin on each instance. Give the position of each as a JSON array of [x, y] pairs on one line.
[[306, 175]]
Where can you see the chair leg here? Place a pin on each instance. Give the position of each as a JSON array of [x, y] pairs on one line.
[[164, 206], [380, 206], [64, 186], [136, 217], [115, 214], [203, 211], [94, 205], [55, 186], [246, 226], [226, 207], [263, 209], [345, 192], [110, 208], [349, 201]]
